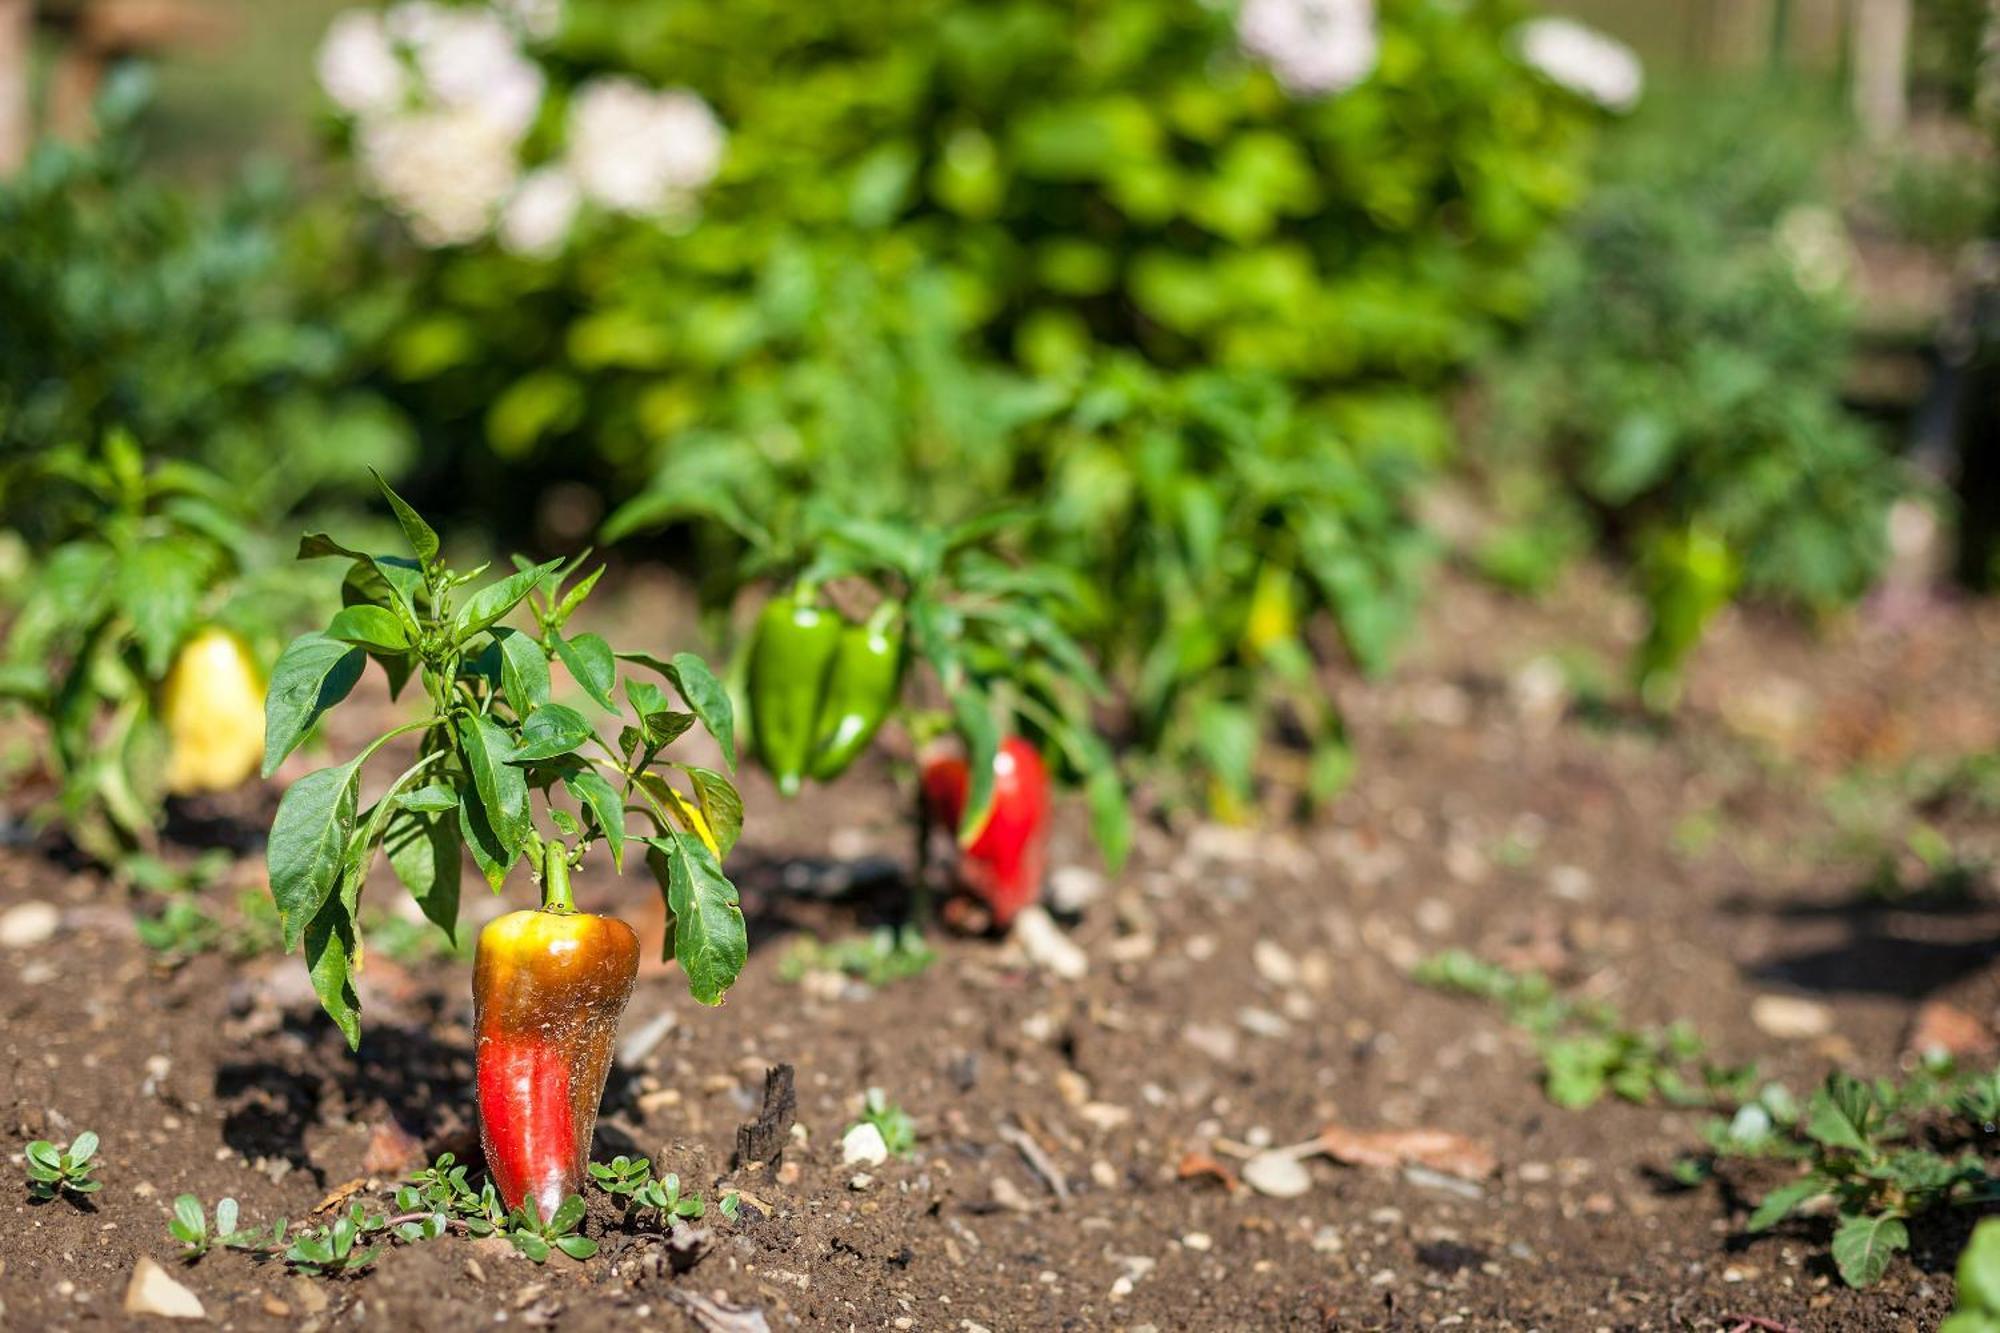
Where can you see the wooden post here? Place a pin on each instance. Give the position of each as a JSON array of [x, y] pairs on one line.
[[17, 30], [1881, 66]]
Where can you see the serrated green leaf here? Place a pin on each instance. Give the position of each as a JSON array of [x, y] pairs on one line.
[[308, 845], [591, 664], [312, 675], [1863, 1246]]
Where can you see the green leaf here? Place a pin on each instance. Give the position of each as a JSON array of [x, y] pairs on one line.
[[312, 675], [330, 953], [225, 1218], [593, 792], [81, 1149], [574, 597], [159, 586], [188, 1212], [489, 853], [1780, 1203], [567, 1214], [369, 627], [577, 1247], [502, 788], [423, 850], [709, 939], [550, 730], [1979, 1270], [1837, 1116], [982, 744], [308, 845], [495, 600], [720, 803], [592, 665], [1863, 1246], [423, 539], [702, 692], [430, 800], [524, 671]]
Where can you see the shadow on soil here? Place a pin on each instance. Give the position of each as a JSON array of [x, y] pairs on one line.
[[1907, 944]]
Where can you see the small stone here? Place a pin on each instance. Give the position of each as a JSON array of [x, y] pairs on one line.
[[1007, 1195], [1277, 1174], [276, 1308], [1073, 888], [1263, 1023], [152, 1292], [1943, 1029], [863, 1146], [1105, 1116], [861, 1183], [1790, 1018], [310, 1297], [1047, 947], [1213, 1040], [1570, 883], [28, 925], [1274, 964], [1199, 1241]]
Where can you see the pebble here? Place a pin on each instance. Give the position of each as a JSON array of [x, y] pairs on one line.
[[1213, 1040], [1790, 1018], [1073, 888], [1570, 883], [861, 1183], [28, 925], [1277, 1174], [863, 1146], [1274, 964], [1047, 947], [1263, 1023], [1199, 1241], [152, 1292]]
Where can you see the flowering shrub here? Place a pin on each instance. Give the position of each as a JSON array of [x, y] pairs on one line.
[[1015, 246]]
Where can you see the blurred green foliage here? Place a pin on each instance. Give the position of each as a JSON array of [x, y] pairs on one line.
[[136, 304], [1678, 397], [1088, 259]]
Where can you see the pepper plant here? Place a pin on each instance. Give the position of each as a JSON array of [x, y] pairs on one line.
[[137, 641], [503, 770]]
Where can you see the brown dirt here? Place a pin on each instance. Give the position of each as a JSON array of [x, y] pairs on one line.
[[1678, 874]]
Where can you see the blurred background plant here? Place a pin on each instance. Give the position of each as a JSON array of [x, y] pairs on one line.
[[1216, 296]]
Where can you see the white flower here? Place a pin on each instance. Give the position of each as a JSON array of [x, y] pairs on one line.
[[445, 171], [470, 58], [637, 150], [1314, 47], [537, 20], [357, 64], [1583, 60], [536, 221]]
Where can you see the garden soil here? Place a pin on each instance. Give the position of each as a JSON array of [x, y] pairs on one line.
[[1748, 869]]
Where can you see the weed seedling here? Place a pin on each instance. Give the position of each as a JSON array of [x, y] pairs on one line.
[[898, 1130], [53, 1171]]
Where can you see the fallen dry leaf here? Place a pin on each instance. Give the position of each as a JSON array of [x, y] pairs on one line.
[[1199, 1165], [1941, 1027], [340, 1194], [1453, 1154]]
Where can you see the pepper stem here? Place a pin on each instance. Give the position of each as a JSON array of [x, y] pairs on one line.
[[555, 878]]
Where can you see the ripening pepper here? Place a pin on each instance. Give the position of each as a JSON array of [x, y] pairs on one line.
[[861, 688], [548, 988], [212, 704], [1004, 865], [790, 656]]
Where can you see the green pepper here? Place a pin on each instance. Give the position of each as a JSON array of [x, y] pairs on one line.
[[794, 646], [861, 688]]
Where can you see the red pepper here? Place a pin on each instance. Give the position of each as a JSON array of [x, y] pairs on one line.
[[1005, 864], [548, 989]]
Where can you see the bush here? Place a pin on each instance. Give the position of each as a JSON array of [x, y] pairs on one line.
[[1679, 394], [1138, 265], [134, 305]]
